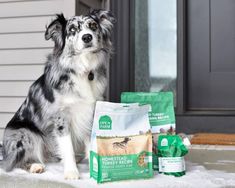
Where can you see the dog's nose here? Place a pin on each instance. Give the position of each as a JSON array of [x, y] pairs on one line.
[[87, 38]]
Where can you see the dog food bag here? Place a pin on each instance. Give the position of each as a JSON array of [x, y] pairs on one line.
[[171, 152], [161, 115], [121, 142]]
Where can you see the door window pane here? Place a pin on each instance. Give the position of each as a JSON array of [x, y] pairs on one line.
[[155, 45]]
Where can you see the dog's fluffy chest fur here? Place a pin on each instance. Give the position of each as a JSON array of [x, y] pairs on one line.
[[76, 94], [77, 87]]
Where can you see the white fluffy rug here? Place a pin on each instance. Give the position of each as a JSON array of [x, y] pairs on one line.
[[196, 176]]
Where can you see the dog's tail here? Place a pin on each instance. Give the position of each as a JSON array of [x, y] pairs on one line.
[[13, 156]]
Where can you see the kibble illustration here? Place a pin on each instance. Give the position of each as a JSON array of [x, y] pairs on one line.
[[141, 160]]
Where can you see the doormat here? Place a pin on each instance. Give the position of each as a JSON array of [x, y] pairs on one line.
[[213, 139]]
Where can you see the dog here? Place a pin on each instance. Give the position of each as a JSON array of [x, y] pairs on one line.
[[122, 144], [55, 120]]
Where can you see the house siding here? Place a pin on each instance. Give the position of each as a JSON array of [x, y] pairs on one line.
[[23, 48]]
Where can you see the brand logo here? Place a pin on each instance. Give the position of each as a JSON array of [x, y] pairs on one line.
[[164, 142], [105, 123]]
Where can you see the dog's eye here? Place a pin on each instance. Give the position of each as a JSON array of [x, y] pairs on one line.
[[72, 29], [93, 26]]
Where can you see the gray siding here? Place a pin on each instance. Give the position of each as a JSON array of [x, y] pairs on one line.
[[23, 48]]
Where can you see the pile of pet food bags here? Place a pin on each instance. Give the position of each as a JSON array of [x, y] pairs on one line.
[[133, 138]]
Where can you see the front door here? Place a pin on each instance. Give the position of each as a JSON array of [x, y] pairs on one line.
[[206, 66]]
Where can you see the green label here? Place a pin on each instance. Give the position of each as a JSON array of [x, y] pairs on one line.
[[105, 123], [162, 105], [121, 167], [157, 118]]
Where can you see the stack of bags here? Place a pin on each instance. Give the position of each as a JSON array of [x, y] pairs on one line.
[[133, 138]]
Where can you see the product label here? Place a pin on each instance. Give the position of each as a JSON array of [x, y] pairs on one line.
[[105, 123], [171, 164], [162, 106], [121, 167], [157, 119]]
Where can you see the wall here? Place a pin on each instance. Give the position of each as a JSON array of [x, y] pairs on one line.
[[23, 48]]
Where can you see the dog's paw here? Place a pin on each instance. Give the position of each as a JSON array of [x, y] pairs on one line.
[[37, 168], [71, 175]]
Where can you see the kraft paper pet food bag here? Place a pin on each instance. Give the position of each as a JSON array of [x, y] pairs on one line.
[[161, 115], [121, 142]]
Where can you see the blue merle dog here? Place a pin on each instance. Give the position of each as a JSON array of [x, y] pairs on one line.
[[55, 120]]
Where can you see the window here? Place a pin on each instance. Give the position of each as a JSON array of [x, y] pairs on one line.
[[155, 45]]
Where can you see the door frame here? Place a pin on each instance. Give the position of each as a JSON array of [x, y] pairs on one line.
[[121, 70]]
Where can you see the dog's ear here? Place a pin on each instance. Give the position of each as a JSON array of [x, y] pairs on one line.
[[56, 31], [105, 20]]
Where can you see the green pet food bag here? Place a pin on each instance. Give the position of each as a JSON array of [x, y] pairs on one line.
[[171, 152], [121, 142], [161, 114]]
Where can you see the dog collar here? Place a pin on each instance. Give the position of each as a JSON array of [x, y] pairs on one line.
[[91, 76]]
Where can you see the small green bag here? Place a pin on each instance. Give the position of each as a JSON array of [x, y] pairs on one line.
[[171, 152]]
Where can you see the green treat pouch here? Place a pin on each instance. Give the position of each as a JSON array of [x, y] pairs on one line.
[[121, 142], [161, 114], [171, 152]]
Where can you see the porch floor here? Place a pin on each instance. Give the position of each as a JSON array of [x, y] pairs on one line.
[[207, 166]]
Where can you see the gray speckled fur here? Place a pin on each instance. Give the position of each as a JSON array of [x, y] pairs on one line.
[[62, 100]]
